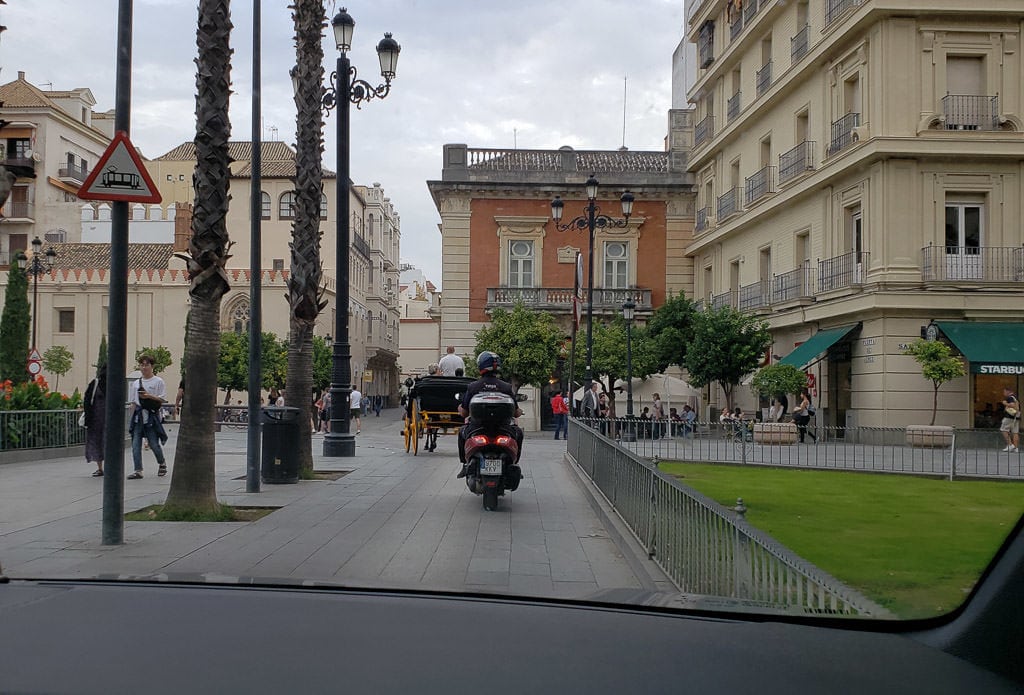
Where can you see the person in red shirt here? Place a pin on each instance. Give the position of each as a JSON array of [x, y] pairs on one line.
[[560, 409]]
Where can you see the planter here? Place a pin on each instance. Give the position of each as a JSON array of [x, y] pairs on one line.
[[775, 433], [930, 436]]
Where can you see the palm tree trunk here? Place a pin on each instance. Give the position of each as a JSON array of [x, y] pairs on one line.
[[305, 296], [193, 486]]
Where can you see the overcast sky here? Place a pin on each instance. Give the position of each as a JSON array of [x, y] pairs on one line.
[[532, 73]]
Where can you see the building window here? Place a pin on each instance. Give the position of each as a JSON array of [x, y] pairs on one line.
[[65, 320], [616, 265], [520, 263], [965, 219], [278, 264], [264, 206], [323, 206], [286, 207]]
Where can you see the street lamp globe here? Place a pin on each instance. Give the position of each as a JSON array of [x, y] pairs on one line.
[[51, 257], [591, 186], [557, 206], [388, 50], [343, 26], [628, 310], [22, 259], [37, 245], [627, 204]]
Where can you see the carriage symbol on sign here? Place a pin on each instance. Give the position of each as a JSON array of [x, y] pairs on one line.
[[120, 175]]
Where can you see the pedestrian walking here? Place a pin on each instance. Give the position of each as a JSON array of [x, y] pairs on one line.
[[378, 404], [590, 402], [658, 416], [325, 412], [95, 420], [802, 415], [355, 408], [1010, 426], [147, 396], [560, 411]]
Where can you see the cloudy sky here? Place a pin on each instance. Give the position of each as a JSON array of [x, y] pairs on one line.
[[527, 73]]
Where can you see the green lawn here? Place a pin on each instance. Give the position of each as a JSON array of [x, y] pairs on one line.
[[914, 545]]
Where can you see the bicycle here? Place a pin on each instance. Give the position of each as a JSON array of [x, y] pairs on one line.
[[742, 434]]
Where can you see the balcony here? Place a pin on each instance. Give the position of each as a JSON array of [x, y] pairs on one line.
[[981, 264], [841, 272], [704, 131], [796, 285], [360, 245], [703, 220], [706, 44], [842, 132], [970, 112], [18, 211], [750, 9], [729, 203], [796, 161], [732, 107], [798, 44], [558, 300], [834, 9], [764, 78], [719, 301], [73, 174], [753, 297], [760, 184]]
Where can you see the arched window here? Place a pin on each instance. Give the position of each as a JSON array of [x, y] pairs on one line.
[[236, 318], [323, 206], [265, 205], [286, 206]]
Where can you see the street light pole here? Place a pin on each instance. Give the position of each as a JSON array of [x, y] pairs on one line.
[[628, 310], [347, 89], [592, 221], [35, 267]]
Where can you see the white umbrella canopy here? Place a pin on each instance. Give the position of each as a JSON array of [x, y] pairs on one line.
[[671, 389]]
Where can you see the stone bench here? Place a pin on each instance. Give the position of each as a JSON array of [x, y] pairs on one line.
[[930, 436], [775, 433]]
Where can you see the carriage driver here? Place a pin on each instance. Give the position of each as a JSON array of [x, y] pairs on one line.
[[489, 365]]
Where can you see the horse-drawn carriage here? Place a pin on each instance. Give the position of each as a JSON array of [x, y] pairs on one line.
[[433, 409]]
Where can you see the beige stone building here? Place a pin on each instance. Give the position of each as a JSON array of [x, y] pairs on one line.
[[860, 171], [419, 306]]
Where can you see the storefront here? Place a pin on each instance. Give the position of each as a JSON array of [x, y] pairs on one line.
[[835, 345], [995, 354]]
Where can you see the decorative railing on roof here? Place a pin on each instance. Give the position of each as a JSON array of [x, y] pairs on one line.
[[555, 160]]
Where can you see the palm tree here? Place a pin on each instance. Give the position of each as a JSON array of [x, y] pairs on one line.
[[305, 296], [193, 487]]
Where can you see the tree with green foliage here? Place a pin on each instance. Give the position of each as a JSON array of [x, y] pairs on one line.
[[58, 360], [938, 365], [610, 354], [670, 331], [322, 356], [727, 345], [14, 328], [233, 364], [528, 343], [778, 379], [160, 354]]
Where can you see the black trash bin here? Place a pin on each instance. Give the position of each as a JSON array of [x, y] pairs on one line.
[[280, 444]]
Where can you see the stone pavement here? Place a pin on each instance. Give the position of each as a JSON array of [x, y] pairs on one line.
[[393, 520]]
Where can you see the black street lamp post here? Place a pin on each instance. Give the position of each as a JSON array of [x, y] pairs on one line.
[[628, 310], [347, 89], [592, 221], [35, 267]]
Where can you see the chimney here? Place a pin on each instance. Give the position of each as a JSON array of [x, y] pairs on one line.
[[182, 226], [21, 75]]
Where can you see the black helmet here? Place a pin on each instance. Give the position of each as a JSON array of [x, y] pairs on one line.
[[488, 362]]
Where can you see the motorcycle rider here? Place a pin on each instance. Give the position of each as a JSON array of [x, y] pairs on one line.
[[489, 364]]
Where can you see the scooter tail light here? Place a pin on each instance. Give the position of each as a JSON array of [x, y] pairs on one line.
[[503, 440], [479, 440]]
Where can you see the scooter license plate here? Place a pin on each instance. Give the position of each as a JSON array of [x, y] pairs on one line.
[[490, 466]]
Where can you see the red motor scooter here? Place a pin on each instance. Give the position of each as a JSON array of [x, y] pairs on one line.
[[491, 449]]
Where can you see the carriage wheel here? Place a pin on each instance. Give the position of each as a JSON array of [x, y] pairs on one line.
[[407, 433], [416, 428]]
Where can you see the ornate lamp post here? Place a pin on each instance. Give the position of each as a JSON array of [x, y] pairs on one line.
[[35, 267], [591, 221], [347, 89], [628, 310]]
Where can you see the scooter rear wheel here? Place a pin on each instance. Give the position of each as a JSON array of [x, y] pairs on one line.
[[490, 498]]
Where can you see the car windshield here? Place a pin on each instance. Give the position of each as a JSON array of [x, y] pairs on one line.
[[721, 316]]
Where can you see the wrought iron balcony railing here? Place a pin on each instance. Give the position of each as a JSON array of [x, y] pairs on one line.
[[706, 44], [796, 161], [982, 264], [798, 44], [727, 298], [736, 27], [834, 9], [13, 210], [729, 203], [970, 112], [703, 220], [760, 184], [750, 8], [732, 107], [559, 299], [843, 271], [753, 296], [794, 285], [842, 132], [704, 131], [764, 78]]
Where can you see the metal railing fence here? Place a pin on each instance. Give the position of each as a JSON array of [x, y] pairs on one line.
[[971, 453], [40, 429], [704, 547]]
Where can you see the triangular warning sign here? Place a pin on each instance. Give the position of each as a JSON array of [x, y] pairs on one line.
[[34, 355], [120, 175]]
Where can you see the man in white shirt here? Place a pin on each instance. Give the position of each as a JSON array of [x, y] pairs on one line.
[[147, 396], [450, 362], [355, 402]]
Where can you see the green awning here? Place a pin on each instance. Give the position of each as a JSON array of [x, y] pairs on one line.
[[991, 348], [815, 345]]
